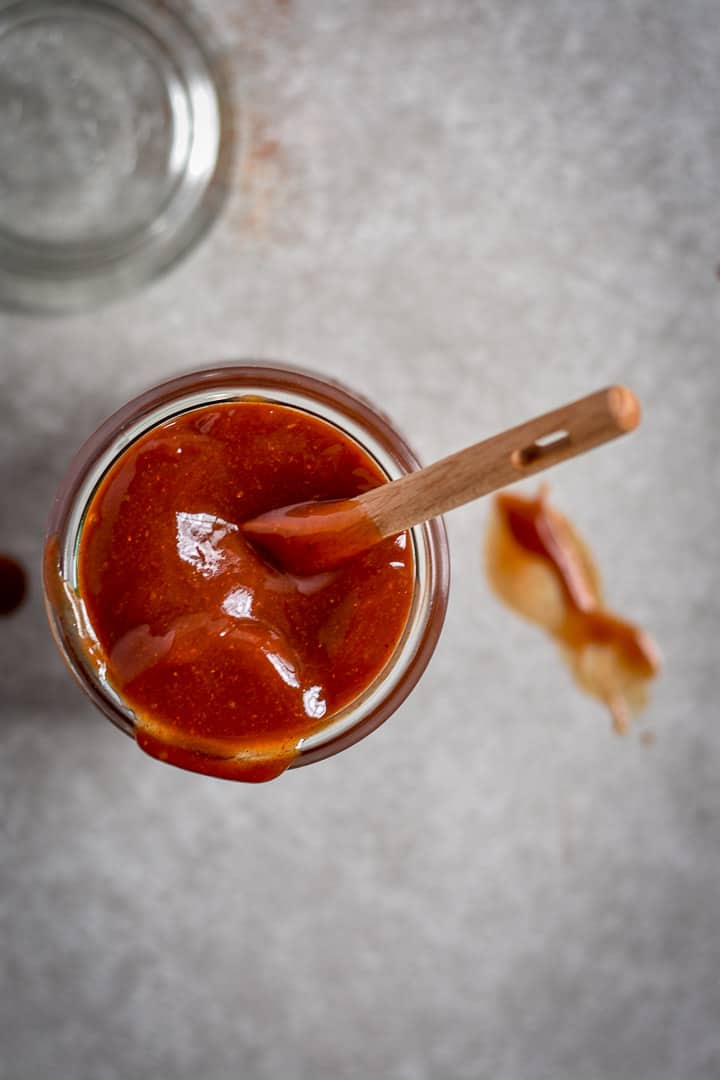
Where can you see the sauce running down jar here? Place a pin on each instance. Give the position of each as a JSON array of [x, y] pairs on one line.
[[183, 633]]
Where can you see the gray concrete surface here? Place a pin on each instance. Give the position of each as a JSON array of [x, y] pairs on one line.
[[469, 211]]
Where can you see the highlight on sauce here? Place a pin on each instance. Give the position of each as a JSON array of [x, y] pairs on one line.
[[538, 565]]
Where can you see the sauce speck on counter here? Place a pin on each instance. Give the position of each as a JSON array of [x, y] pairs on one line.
[[13, 585], [227, 661]]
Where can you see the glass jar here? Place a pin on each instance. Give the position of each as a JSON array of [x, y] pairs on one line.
[[235, 382], [116, 145]]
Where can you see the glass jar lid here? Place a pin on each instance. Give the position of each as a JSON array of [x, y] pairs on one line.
[[115, 140]]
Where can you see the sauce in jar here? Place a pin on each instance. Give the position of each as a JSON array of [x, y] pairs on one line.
[[227, 661]]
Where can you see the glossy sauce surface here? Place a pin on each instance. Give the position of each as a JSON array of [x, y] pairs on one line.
[[227, 660], [312, 537]]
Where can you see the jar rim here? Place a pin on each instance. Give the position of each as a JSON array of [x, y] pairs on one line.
[[286, 384]]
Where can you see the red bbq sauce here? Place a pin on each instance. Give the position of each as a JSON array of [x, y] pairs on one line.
[[314, 536], [227, 660]]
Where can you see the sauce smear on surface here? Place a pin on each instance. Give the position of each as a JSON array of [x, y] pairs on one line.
[[539, 566], [227, 661]]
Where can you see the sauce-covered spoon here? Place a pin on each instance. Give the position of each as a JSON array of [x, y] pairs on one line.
[[314, 536]]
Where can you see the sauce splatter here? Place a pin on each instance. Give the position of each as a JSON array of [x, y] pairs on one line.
[[13, 585], [538, 565], [261, 168]]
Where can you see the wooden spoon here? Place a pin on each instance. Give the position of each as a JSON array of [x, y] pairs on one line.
[[310, 537]]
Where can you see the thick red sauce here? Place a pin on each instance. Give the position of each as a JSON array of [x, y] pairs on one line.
[[227, 660], [315, 536]]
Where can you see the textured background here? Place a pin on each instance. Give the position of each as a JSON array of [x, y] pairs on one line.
[[469, 211]]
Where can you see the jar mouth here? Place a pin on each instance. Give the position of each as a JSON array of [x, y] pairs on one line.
[[287, 386]]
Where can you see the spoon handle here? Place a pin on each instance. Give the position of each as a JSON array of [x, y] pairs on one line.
[[494, 463]]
